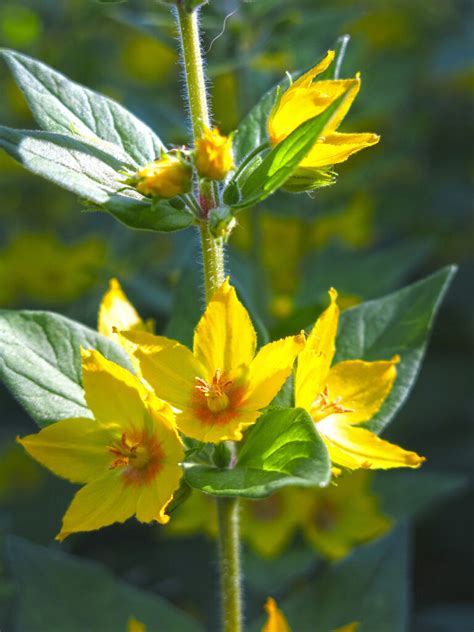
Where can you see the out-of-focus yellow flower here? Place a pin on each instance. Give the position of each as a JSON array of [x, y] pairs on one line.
[[197, 514], [18, 473], [354, 226], [128, 456], [135, 626], [213, 155], [220, 388], [342, 397], [276, 621], [167, 177], [343, 515], [148, 60], [42, 268], [350, 627], [307, 98], [268, 524]]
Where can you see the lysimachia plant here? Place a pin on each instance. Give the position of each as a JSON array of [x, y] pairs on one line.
[[139, 419]]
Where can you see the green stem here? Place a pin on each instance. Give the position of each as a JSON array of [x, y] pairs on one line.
[[213, 261], [229, 549]]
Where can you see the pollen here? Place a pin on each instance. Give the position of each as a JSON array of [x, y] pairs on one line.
[[323, 406], [139, 456], [215, 393]]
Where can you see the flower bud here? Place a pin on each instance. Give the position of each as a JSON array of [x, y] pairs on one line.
[[167, 177], [213, 155]]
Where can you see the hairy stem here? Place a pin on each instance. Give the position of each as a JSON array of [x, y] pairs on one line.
[[213, 262], [229, 549]]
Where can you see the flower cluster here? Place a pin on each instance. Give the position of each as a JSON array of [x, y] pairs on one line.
[[129, 455]]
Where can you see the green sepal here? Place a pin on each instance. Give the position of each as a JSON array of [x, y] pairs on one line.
[[282, 448]]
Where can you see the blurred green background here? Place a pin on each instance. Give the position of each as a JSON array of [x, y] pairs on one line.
[[398, 212]]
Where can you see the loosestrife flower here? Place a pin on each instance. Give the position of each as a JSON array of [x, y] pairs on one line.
[[135, 626], [307, 98], [128, 457], [341, 397], [167, 177], [213, 155], [341, 516], [220, 387]]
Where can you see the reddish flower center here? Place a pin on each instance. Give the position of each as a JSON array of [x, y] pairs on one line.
[[140, 455], [215, 393]]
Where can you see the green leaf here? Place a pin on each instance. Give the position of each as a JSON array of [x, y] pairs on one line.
[[252, 130], [160, 216], [281, 449], [70, 163], [59, 593], [40, 362], [370, 586], [63, 106], [282, 160], [405, 494], [399, 323]]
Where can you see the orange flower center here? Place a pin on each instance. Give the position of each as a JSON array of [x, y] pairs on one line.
[[215, 393], [266, 510], [140, 456], [323, 406], [326, 516]]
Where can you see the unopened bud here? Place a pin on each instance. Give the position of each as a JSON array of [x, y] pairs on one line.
[[213, 155], [167, 177]]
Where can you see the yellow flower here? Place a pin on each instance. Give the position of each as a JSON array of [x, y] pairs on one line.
[[198, 513], [342, 397], [213, 155], [128, 456], [166, 178], [220, 387], [276, 621], [350, 627], [135, 626], [268, 525], [305, 99], [342, 516]]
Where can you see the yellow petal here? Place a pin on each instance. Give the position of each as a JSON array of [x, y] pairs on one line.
[[115, 396], [99, 504], [168, 366], [316, 358], [156, 496], [276, 621], [361, 386], [337, 148], [353, 447], [224, 338], [269, 370], [116, 312], [301, 104], [75, 449], [227, 426], [135, 626], [350, 627], [305, 80]]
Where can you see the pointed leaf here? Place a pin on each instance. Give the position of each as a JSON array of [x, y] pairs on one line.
[[61, 105], [281, 449], [399, 323], [40, 362], [58, 593]]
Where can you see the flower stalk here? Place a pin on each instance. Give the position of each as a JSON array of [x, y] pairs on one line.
[[213, 262]]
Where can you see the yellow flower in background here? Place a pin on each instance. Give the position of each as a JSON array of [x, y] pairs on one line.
[[128, 457], [213, 155], [350, 627], [197, 514], [342, 516], [135, 626], [167, 177], [341, 397], [307, 98], [220, 387], [276, 621], [267, 525]]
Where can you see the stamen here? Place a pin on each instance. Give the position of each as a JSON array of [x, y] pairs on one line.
[[323, 406], [215, 393]]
